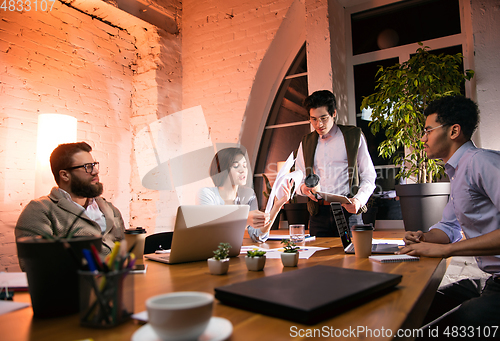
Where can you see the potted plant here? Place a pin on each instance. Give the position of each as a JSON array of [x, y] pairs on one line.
[[219, 263], [255, 260], [290, 254], [51, 263], [403, 91]]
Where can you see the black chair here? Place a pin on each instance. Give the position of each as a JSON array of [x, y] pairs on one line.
[[158, 241]]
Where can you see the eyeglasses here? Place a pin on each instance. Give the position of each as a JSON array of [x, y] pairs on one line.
[[89, 167], [427, 131], [322, 119]]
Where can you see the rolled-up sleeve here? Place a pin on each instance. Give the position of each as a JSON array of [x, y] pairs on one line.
[[449, 224]]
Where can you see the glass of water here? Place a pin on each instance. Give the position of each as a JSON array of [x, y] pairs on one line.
[[297, 233]]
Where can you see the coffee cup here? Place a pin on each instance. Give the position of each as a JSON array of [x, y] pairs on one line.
[[182, 315], [312, 182], [362, 239], [136, 237]]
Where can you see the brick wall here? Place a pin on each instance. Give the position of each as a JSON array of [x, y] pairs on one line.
[[223, 44], [62, 61]]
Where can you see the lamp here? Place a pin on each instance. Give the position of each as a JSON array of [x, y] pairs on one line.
[[53, 129]]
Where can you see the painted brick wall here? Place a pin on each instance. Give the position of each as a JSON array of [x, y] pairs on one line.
[[223, 44], [61, 61]]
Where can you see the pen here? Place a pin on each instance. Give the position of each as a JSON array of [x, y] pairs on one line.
[[113, 255], [97, 258], [90, 261]]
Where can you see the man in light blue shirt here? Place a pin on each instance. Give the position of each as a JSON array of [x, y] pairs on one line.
[[473, 208]]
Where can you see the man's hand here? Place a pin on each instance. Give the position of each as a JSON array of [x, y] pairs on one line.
[[412, 237], [307, 191], [353, 207], [426, 250], [257, 219]]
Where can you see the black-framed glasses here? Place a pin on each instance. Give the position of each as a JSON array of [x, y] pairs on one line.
[[89, 167]]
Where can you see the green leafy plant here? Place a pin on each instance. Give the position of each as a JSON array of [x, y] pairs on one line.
[[403, 91], [255, 253], [222, 251], [289, 246]]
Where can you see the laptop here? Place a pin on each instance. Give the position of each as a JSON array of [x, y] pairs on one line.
[[345, 234], [288, 295], [199, 229]]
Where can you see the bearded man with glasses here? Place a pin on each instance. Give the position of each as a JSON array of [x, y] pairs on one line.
[[76, 201]]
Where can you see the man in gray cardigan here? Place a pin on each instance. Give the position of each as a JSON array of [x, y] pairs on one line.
[[75, 202]]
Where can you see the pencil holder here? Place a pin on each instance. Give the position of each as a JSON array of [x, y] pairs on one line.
[[106, 299]]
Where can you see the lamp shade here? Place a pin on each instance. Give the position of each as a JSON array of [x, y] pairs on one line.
[[53, 129]]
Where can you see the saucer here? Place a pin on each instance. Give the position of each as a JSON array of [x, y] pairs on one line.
[[218, 329]]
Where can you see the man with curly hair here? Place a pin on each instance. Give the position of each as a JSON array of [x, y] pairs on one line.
[[473, 208]]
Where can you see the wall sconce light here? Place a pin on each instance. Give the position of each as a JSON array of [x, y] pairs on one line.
[[53, 129]]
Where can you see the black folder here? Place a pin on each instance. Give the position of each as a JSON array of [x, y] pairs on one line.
[[307, 295]]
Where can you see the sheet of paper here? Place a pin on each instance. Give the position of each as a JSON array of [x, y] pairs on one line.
[[304, 252], [8, 306], [400, 242], [13, 280], [308, 238], [283, 176], [142, 316]]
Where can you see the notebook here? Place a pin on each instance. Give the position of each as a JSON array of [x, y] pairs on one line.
[[199, 229], [345, 234], [394, 258], [307, 295]]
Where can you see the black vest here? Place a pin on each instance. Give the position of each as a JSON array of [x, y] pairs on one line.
[[352, 137]]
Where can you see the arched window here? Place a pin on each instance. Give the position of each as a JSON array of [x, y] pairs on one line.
[[287, 122]]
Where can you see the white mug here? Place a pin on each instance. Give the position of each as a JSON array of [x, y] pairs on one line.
[[180, 315]]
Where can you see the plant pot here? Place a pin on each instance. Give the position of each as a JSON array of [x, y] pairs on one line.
[[255, 263], [297, 214], [52, 273], [422, 205], [218, 267], [289, 259]]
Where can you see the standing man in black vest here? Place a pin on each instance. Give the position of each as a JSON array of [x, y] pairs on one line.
[[339, 155]]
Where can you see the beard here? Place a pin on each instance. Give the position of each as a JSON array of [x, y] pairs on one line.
[[85, 189]]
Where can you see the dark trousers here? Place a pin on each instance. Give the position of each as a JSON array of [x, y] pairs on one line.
[[323, 224], [476, 315]]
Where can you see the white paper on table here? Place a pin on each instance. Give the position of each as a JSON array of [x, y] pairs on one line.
[[8, 306], [304, 252], [400, 242], [281, 179]]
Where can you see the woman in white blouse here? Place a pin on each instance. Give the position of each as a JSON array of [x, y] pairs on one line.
[[229, 173]]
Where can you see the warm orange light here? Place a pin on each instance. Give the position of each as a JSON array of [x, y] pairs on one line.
[[53, 129], [280, 165]]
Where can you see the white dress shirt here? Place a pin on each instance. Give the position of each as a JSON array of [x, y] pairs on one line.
[[330, 163], [92, 211]]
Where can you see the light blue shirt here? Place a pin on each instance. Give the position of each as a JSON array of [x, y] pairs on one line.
[[474, 203], [244, 196]]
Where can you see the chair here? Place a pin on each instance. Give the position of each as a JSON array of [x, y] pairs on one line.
[[158, 241]]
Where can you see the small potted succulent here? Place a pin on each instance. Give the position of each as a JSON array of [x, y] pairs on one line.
[[219, 263], [290, 254], [255, 260]]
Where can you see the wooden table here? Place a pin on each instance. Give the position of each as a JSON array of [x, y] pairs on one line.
[[403, 308]]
